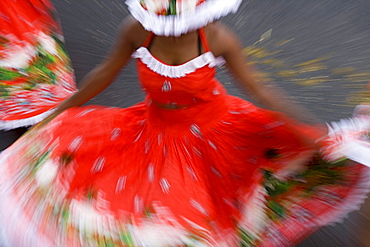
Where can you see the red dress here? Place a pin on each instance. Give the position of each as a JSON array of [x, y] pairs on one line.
[[35, 71], [190, 166]]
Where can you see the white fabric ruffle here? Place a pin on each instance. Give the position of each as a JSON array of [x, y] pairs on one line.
[[13, 124], [349, 138], [176, 71], [175, 25]]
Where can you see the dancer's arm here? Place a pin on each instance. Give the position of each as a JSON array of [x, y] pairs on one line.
[[104, 74], [227, 44]]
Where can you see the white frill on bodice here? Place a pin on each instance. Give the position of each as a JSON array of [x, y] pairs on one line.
[[177, 71]]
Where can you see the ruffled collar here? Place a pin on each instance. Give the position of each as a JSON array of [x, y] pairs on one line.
[[176, 71]]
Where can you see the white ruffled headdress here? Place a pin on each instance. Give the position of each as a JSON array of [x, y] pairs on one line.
[[176, 17]]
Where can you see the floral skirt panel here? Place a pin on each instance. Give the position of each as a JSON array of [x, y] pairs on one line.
[[99, 176], [35, 70]]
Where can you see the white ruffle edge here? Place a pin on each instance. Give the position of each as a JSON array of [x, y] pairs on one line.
[[177, 71], [175, 25], [13, 124], [348, 141]]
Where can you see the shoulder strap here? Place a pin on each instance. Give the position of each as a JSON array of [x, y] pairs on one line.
[[203, 39], [148, 40]]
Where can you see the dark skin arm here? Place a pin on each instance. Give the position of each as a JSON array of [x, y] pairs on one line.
[[128, 40], [225, 43]]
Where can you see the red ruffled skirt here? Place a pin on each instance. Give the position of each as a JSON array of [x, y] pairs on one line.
[[35, 71], [211, 175]]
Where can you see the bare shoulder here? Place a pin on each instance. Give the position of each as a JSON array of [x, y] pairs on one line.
[[133, 32], [221, 38]]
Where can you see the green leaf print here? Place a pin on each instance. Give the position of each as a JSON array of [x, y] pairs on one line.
[[3, 41], [172, 8], [29, 85], [323, 173], [246, 239], [278, 210], [267, 174], [340, 163], [42, 60], [106, 243], [126, 238], [91, 194], [4, 93], [109, 243], [40, 161], [47, 76], [65, 215], [8, 75], [277, 188], [39, 72], [274, 186], [148, 213]]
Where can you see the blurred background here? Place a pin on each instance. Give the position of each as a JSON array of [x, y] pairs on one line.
[[319, 51]]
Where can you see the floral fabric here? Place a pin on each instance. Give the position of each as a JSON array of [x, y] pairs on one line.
[[35, 71]]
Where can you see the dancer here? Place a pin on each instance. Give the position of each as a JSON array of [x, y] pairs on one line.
[[190, 166], [35, 71]]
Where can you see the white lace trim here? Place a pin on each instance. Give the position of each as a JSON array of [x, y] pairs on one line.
[[176, 71], [175, 25], [13, 124]]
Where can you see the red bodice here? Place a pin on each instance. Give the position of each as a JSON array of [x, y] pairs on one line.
[[186, 92]]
